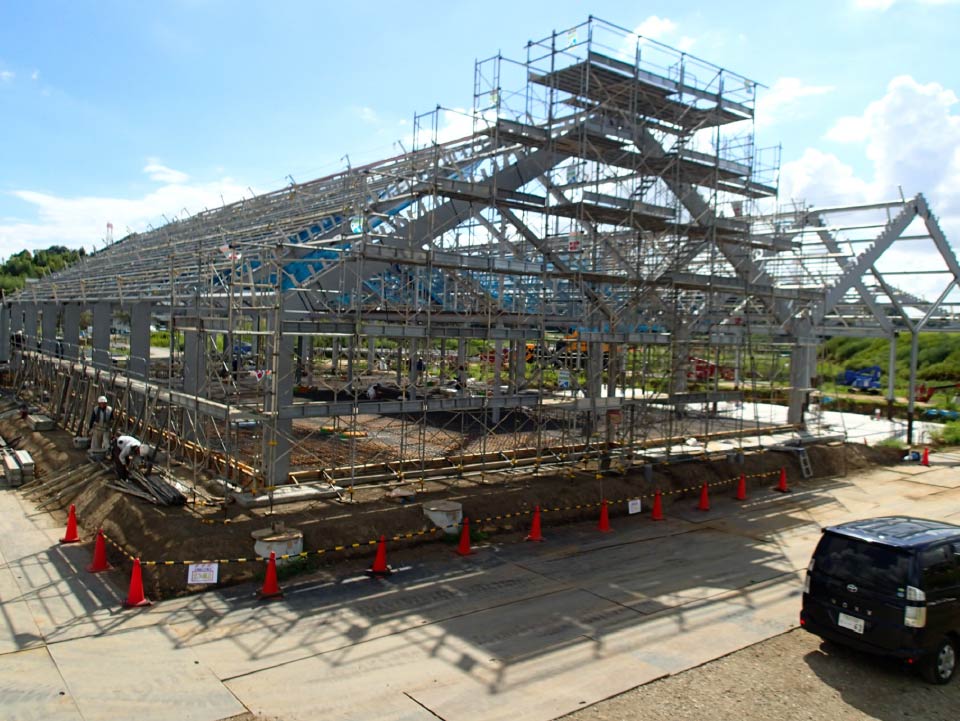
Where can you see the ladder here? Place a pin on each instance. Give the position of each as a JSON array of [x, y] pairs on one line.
[[805, 468]]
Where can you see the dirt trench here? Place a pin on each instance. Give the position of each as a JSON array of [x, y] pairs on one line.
[[497, 505]]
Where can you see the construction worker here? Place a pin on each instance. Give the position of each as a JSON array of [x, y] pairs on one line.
[[125, 449], [101, 424], [147, 456]]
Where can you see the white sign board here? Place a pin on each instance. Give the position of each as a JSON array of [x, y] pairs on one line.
[[202, 572], [634, 505]]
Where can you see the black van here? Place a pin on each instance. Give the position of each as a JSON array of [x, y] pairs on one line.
[[889, 586]]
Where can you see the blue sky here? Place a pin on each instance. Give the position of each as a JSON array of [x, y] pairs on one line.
[[126, 112]]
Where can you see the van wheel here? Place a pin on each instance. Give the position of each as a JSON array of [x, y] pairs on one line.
[[940, 666]]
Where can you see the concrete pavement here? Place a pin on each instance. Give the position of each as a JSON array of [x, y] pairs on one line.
[[519, 631]]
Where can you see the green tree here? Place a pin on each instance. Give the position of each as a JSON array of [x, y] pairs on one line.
[[20, 266]]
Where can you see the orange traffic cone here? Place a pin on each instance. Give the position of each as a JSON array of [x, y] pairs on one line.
[[271, 589], [380, 567], [463, 548], [704, 504], [135, 597], [71, 535], [742, 488], [604, 525], [535, 534], [782, 485], [657, 507], [99, 555], [925, 459]]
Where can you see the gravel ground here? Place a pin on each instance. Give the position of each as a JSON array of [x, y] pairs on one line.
[[793, 677]]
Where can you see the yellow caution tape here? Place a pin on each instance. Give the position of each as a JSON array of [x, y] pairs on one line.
[[412, 534]]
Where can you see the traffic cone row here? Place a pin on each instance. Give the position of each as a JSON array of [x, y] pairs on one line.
[[135, 596], [271, 587]]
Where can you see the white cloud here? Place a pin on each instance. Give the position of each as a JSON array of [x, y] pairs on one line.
[[7, 75], [162, 174], [819, 178], [81, 221], [848, 129], [452, 124], [912, 134], [655, 28], [910, 139], [458, 123], [783, 96], [35, 75], [662, 30]]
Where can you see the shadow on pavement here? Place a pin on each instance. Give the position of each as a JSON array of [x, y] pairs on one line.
[[883, 688]]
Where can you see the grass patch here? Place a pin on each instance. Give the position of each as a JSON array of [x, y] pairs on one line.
[[892, 443], [950, 435], [159, 339]]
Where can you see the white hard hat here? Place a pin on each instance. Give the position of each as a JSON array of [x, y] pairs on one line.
[[102, 399]]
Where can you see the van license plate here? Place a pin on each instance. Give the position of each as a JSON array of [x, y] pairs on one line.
[[854, 624]]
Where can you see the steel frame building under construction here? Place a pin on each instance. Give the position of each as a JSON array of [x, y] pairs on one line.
[[581, 281]]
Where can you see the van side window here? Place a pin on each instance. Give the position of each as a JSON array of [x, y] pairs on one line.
[[939, 568]]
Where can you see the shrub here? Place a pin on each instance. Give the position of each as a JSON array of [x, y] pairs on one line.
[[950, 435], [160, 339]]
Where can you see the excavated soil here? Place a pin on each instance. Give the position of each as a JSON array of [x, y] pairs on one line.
[[198, 532]]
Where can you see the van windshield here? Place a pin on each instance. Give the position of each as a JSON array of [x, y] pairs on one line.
[[870, 565]]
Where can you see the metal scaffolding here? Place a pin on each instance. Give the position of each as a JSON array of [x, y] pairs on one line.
[[586, 280]]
